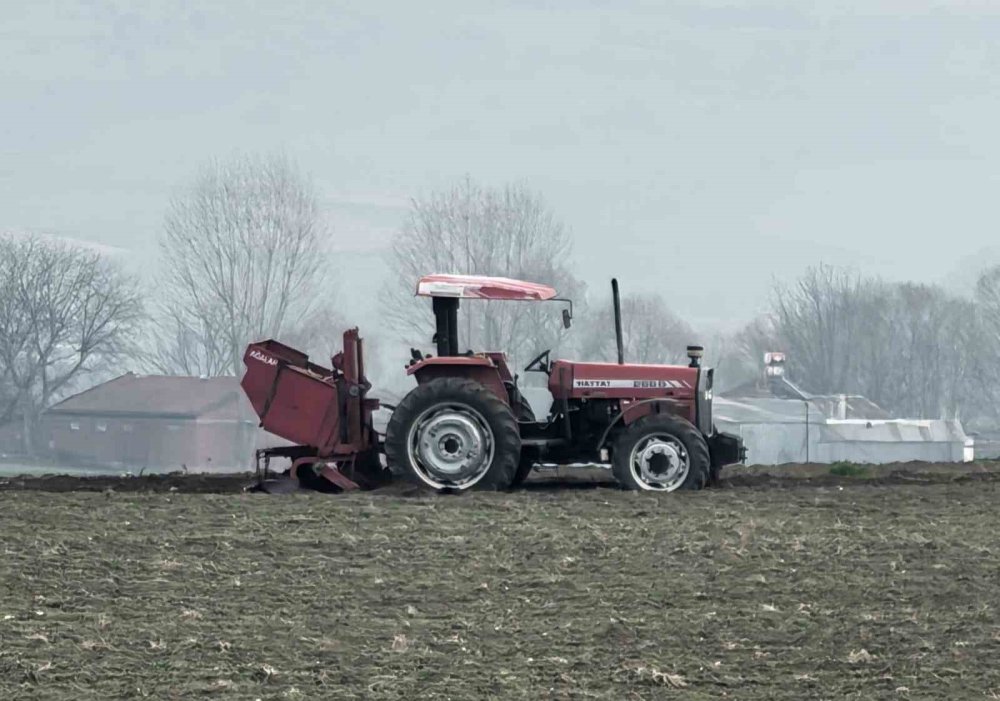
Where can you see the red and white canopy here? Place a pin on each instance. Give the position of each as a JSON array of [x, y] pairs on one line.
[[481, 287]]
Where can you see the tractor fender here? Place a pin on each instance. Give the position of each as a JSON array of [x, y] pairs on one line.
[[634, 411], [476, 368]]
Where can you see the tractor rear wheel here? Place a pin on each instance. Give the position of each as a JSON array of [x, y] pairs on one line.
[[527, 463], [661, 453], [453, 434], [524, 467]]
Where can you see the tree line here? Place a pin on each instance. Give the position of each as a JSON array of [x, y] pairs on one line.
[[245, 254], [915, 349]]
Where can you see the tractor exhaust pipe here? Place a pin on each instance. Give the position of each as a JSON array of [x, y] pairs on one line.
[[618, 320]]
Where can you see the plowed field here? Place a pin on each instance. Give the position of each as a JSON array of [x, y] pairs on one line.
[[779, 588]]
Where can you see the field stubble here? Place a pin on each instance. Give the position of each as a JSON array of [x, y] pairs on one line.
[[817, 592]]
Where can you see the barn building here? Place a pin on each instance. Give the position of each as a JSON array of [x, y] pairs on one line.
[[158, 423]]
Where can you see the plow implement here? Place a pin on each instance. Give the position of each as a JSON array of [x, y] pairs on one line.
[[324, 412]]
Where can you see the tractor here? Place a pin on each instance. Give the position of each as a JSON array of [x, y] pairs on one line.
[[466, 425]]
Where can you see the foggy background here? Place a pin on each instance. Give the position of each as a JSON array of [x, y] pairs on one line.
[[695, 149], [815, 178]]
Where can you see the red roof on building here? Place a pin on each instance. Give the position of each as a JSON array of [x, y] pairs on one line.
[[160, 395]]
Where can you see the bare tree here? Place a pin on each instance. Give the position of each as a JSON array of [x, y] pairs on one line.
[[984, 360], [737, 357], [506, 232], [911, 348], [987, 298], [65, 313], [651, 333], [917, 336], [243, 257], [821, 320]]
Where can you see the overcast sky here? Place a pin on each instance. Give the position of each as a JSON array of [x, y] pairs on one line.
[[698, 149]]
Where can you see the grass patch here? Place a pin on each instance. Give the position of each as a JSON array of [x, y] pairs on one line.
[[849, 469]]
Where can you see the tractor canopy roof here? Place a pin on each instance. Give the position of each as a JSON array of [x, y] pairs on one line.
[[482, 287]]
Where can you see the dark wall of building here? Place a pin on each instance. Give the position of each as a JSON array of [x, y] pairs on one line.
[[130, 442], [11, 440], [142, 442]]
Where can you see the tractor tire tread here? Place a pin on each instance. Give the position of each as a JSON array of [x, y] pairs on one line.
[[524, 466], [506, 437], [697, 448]]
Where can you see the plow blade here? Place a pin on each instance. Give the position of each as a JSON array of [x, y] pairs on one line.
[[277, 485], [310, 474], [326, 479], [304, 478]]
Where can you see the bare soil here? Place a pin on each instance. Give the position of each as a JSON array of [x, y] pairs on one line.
[[233, 483], [880, 586], [792, 475]]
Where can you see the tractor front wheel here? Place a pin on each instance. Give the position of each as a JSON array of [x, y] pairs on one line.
[[453, 434], [661, 453]]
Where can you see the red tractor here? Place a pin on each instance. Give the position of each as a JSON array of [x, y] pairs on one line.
[[466, 424]]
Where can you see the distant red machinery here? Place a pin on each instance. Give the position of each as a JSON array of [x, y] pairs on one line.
[[466, 424]]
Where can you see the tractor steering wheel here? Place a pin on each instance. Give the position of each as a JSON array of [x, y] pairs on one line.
[[542, 361]]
